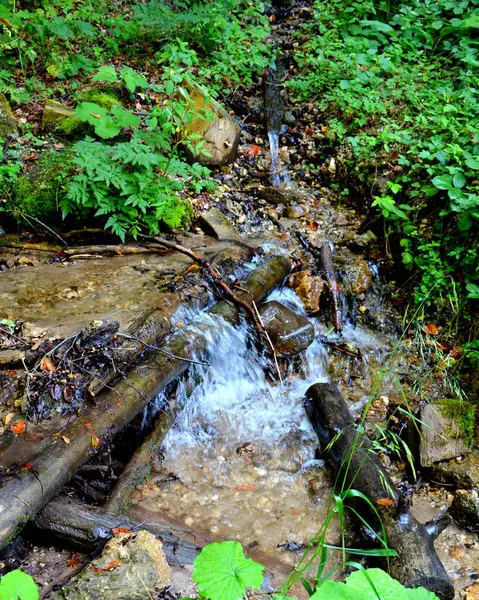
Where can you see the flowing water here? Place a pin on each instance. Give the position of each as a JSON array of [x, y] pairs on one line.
[[279, 174]]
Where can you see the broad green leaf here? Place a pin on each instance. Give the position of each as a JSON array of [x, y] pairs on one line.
[[387, 587], [378, 26], [473, 163], [18, 585], [420, 594], [459, 180], [124, 118], [223, 573], [443, 182], [133, 79], [106, 73], [333, 589], [90, 112], [107, 128]]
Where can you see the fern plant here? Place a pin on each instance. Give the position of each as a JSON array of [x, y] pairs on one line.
[[137, 179]]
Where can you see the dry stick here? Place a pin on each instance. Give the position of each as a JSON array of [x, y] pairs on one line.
[[55, 461], [25, 216], [161, 351], [326, 263], [227, 291]]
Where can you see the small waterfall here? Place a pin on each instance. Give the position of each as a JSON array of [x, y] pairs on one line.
[[234, 397], [279, 175], [274, 112]]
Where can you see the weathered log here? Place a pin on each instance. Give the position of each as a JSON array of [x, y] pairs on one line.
[[349, 456], [87, 528], [56, 460], [138, 468]]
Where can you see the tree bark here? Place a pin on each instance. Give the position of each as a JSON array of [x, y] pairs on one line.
[[88, 528], [57, 459], [349, 456]]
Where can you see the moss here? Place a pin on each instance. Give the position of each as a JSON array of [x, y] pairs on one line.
[[102, 98], [7, 121], [463, 413], [37, 195]]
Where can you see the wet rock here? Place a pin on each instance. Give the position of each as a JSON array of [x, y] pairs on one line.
[[462, 474], [289, 118], [215, 223], [308, 288], [11, 357], [443, 435], [277, 195], [8, 125], [363, 240], [290, 333], [220, 134], [295, 211], [358, 277], [130, 566], [465, 509]]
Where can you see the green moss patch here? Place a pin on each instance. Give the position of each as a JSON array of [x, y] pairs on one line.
[[463, 413]]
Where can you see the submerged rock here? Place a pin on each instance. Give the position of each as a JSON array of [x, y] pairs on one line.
[[290, 333], [215, 223], [277, 195], [220, 134], [308, 288], [465, 509], [358, 277], [7, 121], [131, 566]]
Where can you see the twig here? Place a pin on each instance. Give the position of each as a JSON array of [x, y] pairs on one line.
[[25, 216], [224, 287], [164, 352]]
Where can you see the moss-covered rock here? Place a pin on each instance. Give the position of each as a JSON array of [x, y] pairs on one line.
[[7, 121], [38, 194], [107, 99]]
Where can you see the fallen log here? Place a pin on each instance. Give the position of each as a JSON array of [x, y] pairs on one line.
[[57, 458], [88, 528], [350, 458], [138, 469]]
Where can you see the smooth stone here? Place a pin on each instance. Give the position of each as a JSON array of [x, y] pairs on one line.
[[277, 195], [295, 211], [290, 333], [213, 222], [463, 474], [358, 277], [465, 509]]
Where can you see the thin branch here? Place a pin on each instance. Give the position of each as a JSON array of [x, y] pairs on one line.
[[164, 352]]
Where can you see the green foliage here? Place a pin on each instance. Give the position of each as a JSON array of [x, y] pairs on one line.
[[222, 572], [464, 415], [369, 584], [17, 585], [136, 181], [399, 88]]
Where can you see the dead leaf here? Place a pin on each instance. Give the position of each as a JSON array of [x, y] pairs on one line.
[[253, 150], [47, 364], [26, 467], [385, 502], [117, 530], [73, 561], [244, 488], [18, 428], [10, 372], [431, 329]]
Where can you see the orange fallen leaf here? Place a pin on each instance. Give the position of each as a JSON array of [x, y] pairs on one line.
[[73, 561], [88, 425], [193, 268], [244, 488], [253, 150], [10, 372], [431, 329], [66, 439], [47, 364], [385, 502], [117, 530], [18, 428], [95, 441], [26, 467]]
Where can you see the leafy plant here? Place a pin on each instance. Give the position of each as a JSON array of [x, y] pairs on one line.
[[369, 584], [222, 572], [18, 585]]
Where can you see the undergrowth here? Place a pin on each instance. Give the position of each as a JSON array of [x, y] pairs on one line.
[[397, 85]]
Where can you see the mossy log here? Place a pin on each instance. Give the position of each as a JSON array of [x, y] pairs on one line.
[[350, 458], [55, 461], [88, 528]]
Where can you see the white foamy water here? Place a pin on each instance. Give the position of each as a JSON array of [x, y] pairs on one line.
[[280, 175], [237, 394]]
